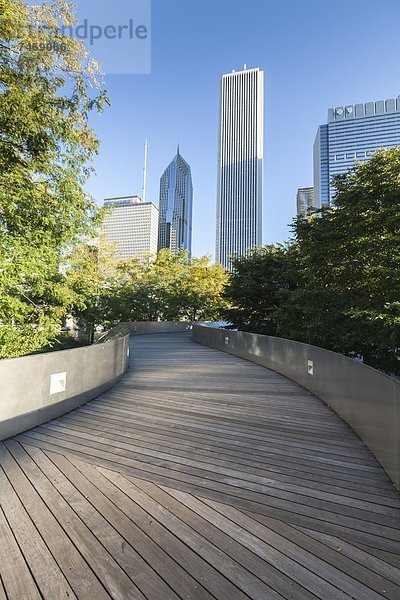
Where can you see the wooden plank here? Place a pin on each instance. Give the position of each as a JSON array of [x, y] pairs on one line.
[[136, 428], [375, 566], [174, 545], [219, 492], [95, 538], [273, 439], [266, 441], [85, 529], [390, 557], [169, 444], [249, 531], [314, 465], [249, 446], [254, 426], [155, 574], [2, 590], [15, 575], [342, 437], [46, 572], [331, 445], [79, 575], [226, 468], [259, 419], [277, 581], [238, 581], [306, 568], [246, 434], [247, 486]]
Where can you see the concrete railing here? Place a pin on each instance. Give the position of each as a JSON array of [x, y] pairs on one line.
[[148, 327], [35, 389], [366, 399]]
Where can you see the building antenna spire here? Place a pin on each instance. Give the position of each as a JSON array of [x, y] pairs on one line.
[[144, 173], [178, 149]]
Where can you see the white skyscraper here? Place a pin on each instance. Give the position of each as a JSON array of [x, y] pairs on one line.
[[305, 202], [132, 225], [240, 164]]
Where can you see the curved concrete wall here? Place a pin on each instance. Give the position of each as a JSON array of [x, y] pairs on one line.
[[366, 399], [35, 389]]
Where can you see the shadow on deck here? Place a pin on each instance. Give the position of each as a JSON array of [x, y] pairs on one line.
[[199, 476]]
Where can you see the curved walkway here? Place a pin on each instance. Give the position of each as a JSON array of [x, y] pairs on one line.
[[199, 476]]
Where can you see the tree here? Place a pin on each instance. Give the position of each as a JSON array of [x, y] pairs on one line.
[[255, 290], [168, 287], [143, 289], [337, 285], [91, 273], [351, 259], [47, 91], [202, 290]]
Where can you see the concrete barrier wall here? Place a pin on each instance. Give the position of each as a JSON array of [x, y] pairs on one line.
[[148, 327], [366, 399], [35, 389]]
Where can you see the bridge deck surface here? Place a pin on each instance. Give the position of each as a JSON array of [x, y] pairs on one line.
[[201, 476]]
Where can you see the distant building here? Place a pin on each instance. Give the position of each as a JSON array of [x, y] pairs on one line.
[[132, 225], [305, 201], [353, 133], [240, 164], [176, 204]]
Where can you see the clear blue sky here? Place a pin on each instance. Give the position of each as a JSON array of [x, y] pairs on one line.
[[314, 54]]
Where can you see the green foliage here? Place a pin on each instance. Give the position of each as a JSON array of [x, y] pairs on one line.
[[167, 287], [91, 274], [338, 284], [33, 296], [64, 341], [202, 284], [256, 287], [45, 145]]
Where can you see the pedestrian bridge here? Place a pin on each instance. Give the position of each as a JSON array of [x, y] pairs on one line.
[[199, 475]]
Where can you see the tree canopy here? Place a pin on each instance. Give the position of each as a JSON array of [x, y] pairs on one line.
[[167, 287], [256, 286], [48, 88], [337, 285]]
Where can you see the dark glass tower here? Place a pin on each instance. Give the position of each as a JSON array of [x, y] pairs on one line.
[[176, 201]]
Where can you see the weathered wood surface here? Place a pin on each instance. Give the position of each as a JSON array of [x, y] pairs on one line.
[[199, 476]]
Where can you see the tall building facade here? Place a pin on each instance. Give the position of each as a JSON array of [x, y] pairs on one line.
[[305, 201], [132, 225], [240, 164], [353, 133], [176, 205]]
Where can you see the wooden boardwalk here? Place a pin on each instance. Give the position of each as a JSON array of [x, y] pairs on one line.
[[199, 476]]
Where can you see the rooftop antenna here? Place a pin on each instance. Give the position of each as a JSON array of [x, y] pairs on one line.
[[144, 173], [245, 67]]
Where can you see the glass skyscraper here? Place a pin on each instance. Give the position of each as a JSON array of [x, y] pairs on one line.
[[176, 202], [240, 164], [352, 134]]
